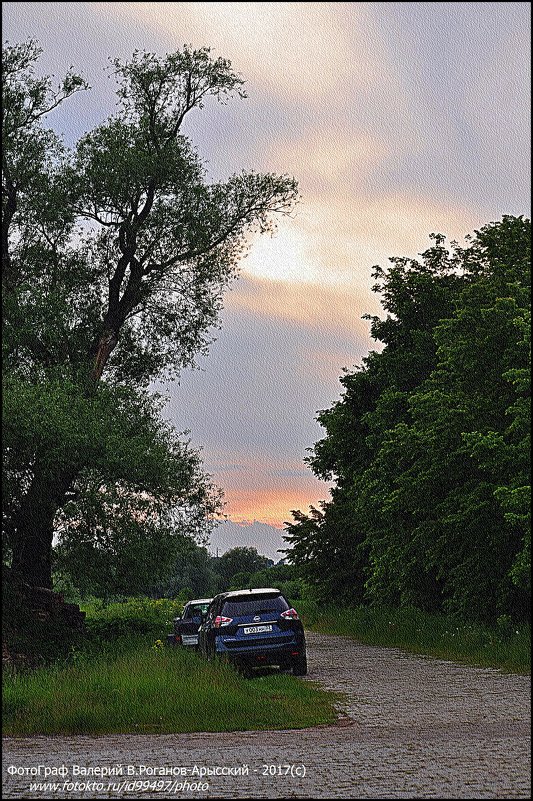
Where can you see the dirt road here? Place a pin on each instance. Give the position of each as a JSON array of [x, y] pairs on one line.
[[412, 727]]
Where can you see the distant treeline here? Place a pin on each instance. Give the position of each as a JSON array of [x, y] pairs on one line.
[[191, 572], [429, 444]]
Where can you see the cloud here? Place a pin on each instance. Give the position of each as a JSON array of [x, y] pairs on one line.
[[293, 50], [495, 107], [267, 540], [259, 388], [271, 507], [463, 69], [336, 237], [284, 343], [368, 230], [265, 489], [330, 156], [397, 119]]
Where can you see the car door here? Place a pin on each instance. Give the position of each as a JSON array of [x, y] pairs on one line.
[[178, 620], [189, 623]]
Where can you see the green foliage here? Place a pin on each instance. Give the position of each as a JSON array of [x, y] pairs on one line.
[[139, 494], [121, 264], [147, 690], [131, 617], [282, 577], [504, 645], [31, 638], [430, 444], [62, 584], [29, 150], [191, 573]]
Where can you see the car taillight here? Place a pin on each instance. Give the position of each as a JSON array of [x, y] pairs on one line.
[[221, 621], [290, 614]]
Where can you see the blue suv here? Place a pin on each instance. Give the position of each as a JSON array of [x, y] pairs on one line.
[[254, 628]]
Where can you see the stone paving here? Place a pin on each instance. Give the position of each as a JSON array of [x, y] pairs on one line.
[[410, 727]]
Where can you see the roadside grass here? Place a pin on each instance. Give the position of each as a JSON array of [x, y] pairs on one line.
[[126, 683], [505, 646]]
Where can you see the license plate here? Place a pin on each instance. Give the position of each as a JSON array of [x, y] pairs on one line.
[[256, 629]]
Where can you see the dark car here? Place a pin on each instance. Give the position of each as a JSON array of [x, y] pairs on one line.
[[254, 628], [186, 626]]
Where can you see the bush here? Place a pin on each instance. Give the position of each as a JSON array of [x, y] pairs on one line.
[[136, 616]]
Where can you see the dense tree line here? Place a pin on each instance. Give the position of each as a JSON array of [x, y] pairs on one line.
[[429, 444], [115, 258], [173, 567]]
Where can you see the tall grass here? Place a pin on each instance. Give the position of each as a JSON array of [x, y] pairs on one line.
[[505, 646], [124, 682]]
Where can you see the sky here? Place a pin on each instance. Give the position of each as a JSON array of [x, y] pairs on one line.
[[397, 120]]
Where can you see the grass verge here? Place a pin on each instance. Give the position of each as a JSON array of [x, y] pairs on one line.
[[505, 646], [124, 683]]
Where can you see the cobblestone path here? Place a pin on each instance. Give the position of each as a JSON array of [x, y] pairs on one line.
[[410, 727]]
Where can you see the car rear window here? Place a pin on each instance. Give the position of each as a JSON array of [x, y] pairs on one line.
[[196, 610], [235, 607]]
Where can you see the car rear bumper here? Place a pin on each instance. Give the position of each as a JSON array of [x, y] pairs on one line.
[[183, 639], [266, 653]]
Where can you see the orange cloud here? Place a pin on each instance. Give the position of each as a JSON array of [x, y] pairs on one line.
[[329, 156], [266, 489], [270, 506]]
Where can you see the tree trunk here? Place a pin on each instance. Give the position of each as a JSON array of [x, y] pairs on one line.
[[34, 524], [101, 352]]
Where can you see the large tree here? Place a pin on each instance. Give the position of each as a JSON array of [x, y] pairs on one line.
[[116, 255], [330, 544], [430, 444]]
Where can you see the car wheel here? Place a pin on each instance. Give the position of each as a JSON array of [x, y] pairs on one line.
[[299, 666]]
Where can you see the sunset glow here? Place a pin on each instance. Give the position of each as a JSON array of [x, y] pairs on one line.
[[282, 257], [273, 509], [397, 120]]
